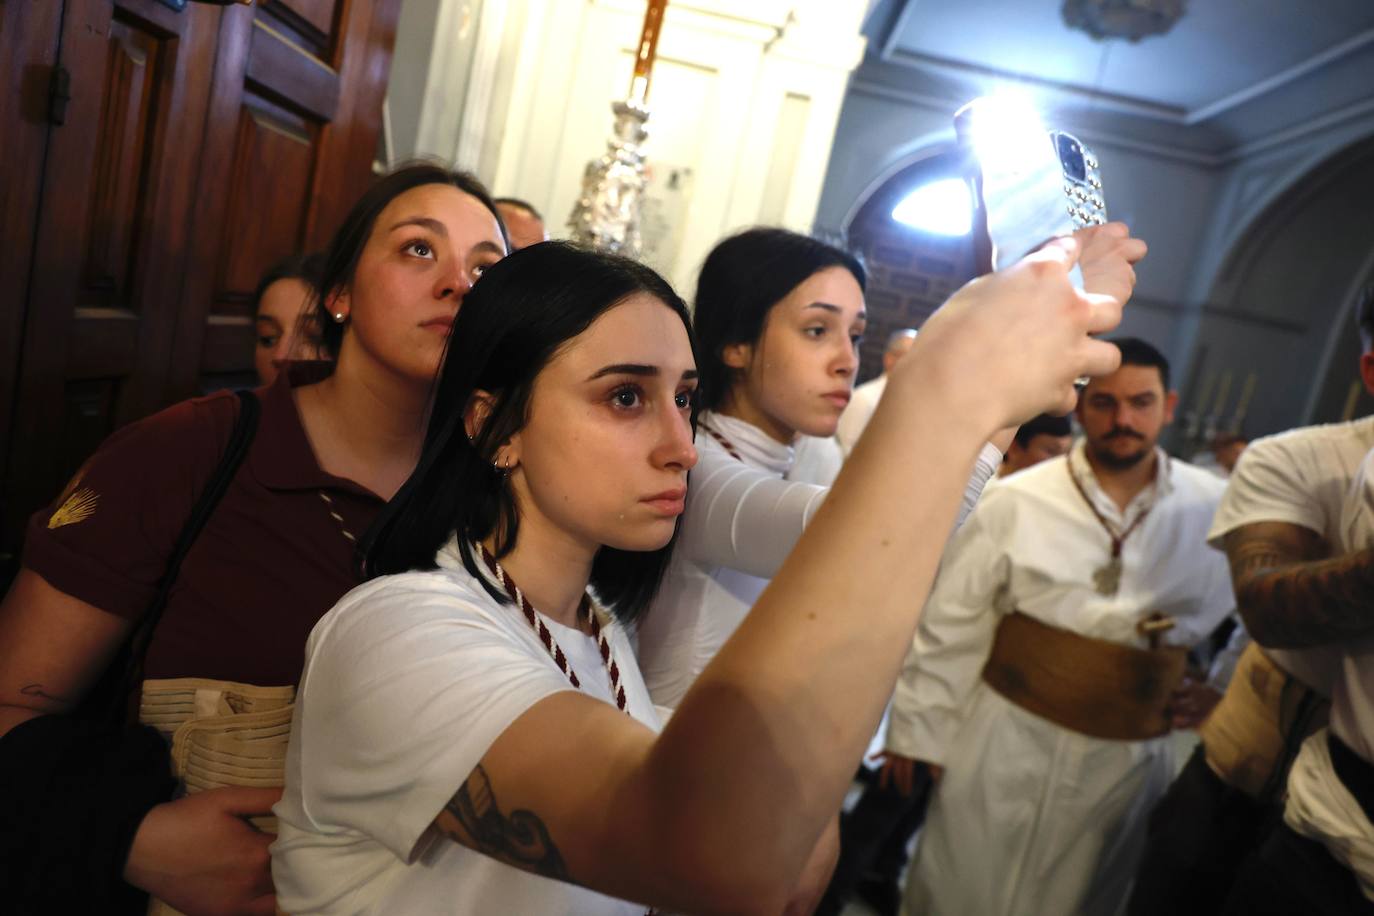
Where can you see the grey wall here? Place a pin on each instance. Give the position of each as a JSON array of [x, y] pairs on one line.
[[1255, 249]]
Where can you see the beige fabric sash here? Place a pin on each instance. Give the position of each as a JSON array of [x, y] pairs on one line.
[[1097, 688], [1244, 737], [222, 734]]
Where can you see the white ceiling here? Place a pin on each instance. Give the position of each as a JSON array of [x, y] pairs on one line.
[[1223, 56]]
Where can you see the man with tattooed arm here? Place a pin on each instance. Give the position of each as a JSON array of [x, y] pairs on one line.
[[1306, 594]]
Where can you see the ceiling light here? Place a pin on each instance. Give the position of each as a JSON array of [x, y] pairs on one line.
[[1128, 19]]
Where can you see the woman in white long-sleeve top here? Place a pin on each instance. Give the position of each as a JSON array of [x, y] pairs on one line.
[[779, 317]]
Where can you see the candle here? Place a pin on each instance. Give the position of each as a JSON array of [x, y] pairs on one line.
[[648, 48], [1222, 393], [1200, 402], [1244, 403], [1352, 397]]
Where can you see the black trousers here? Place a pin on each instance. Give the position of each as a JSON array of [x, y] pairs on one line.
[[1291, 875], [874, 837], [1198, 837]]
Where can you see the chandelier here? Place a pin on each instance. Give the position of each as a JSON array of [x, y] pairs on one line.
[[1129, 19]]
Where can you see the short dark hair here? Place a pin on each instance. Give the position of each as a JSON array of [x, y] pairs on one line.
[[1043, 425], [742, 279], [1364, 317], [1137, 352], [308, 268], [513, 321], [341, 258], [522, 204]]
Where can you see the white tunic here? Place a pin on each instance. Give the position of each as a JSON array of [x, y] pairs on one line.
[[743, 518], [1031, 817], [407, 682]]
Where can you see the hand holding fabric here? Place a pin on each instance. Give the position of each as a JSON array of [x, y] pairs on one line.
[[199, 854]]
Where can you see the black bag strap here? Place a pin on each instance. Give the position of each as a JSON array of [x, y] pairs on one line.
[[126, 671]]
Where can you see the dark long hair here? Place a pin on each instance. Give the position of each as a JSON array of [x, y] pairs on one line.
[[307, 268], [341, 258], [742, 279], [512, 322]]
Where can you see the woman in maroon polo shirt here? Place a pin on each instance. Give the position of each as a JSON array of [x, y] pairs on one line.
[[85, 814]]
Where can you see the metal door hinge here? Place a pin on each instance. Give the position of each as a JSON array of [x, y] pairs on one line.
[[59, 94]]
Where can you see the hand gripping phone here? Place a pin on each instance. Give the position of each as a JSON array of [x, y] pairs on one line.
[[1028, 184]]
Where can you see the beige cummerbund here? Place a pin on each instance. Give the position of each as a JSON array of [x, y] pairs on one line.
[[1244, 737], [221, 734], [1091, 686]]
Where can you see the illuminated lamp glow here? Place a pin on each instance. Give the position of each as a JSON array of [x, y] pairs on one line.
[[941, 208], [1008, 136]]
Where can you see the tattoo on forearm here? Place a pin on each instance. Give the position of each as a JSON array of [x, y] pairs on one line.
[[37, 692], [1290, 600], [473, 818]]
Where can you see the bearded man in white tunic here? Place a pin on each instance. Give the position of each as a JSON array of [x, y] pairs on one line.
[[1039, 682]]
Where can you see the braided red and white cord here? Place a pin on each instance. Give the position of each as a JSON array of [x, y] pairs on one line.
[[551, 645], [724, 442]]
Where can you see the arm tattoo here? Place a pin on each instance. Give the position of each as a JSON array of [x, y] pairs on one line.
[[473, 819], [37, 691], [1291, 599]]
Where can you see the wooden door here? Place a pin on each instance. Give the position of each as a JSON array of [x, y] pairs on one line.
[[198, 146], [28, 55], [109, 237], [290, 141]]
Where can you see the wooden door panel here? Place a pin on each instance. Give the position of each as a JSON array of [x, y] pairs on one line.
[[30, 32], [292, 73], [198, 147], [110, 237], [362, 58], [318, 13], [274, 154], [313, 25], [121, 161], [296, 85]]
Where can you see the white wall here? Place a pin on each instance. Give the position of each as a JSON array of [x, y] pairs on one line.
[[744, 102]]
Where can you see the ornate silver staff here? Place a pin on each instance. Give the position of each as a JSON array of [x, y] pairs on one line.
[[606, 215]]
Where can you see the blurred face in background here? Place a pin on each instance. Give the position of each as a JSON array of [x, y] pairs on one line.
[[1041, 447], [286, 329], [523, 227]]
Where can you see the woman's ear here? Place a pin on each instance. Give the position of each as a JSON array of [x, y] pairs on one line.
[[507, 454], [338, 305], [477, 412], [737, 355]]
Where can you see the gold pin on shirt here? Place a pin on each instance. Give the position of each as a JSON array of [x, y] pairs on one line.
[[78, 507]]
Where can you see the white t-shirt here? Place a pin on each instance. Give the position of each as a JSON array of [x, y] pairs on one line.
[[1320, 805], [407, 682], [1352, 703], [1300, 477]]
